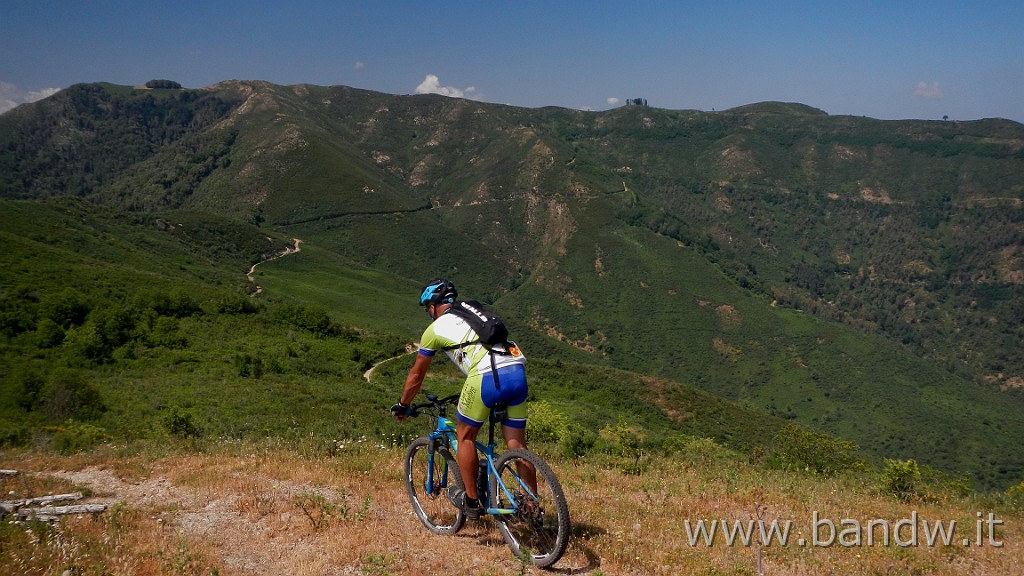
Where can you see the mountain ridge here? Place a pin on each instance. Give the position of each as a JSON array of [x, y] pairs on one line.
[[828, 225]]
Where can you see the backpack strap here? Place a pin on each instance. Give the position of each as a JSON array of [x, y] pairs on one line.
[[474, 320], [490, 353], [494, 370], [463, 345]]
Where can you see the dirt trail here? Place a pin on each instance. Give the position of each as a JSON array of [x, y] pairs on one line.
[[409, 349], [244, 514], [288, 251]]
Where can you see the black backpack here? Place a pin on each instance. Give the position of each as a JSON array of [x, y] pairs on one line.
[[491, 331]]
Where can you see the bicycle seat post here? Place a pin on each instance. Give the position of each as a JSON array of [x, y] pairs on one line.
[[498, 414]]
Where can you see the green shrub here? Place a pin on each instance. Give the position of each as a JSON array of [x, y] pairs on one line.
[[705, 450], [798, 447], [67, 395], [16, 315], [12, 434], [114, 324], [28, 387], [181, 424], [85, 343], [546, 424], [249, 366], [49, 334], [902, 479], [627, 441], [1015, 496], [75, 436], [165, 332], [312, 318], [237, 304], [66, 308], [577, 442]]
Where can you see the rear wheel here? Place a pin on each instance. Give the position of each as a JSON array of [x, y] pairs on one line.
[[539, 529], [431, 478]]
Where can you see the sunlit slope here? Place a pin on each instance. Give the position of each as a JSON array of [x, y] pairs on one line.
[[625, 297]]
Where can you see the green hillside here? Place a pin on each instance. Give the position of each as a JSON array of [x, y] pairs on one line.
[[861, 277], [145, 330]]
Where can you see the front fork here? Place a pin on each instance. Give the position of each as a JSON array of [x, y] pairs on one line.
[[442, 485]]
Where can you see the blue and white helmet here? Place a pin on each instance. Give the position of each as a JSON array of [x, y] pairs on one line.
[[438, 291]]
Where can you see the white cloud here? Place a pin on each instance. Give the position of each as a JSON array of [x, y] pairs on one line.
[[613, 101], [11, 95], [432, 85], [925, 90], [358, 66]]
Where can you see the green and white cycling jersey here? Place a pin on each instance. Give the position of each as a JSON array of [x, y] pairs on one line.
[[450, 330]]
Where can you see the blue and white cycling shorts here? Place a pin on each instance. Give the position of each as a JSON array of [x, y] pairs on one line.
[[479, 395]]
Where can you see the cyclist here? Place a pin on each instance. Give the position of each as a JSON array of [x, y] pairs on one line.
[[481, 391]]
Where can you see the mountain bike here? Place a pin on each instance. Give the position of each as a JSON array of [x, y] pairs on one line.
[[533, 519]]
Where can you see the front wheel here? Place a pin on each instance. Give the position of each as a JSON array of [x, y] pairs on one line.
[[431, 478], [538, 531]]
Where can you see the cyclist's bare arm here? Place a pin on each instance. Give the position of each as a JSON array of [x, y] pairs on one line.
[[414, 380]]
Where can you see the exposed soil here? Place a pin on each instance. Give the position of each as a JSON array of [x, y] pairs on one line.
[[278, 514]]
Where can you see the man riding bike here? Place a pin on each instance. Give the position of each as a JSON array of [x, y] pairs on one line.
[[482, 390]]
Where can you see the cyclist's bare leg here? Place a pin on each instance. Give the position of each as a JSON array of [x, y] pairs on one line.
[[467, 457], [516, 438]]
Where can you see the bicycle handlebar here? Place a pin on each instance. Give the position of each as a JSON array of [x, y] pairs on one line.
[[438, 404]]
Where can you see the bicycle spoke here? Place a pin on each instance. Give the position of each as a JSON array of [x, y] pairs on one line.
[[539, 527], [431, 485]]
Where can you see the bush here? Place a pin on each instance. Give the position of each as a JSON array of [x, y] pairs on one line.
[[795, 446], [85, 343], [17, 311], [49, 334], [546, 424], [12, 434], [28, 387], [66, 308], [165, 332], [902, 479], [176, 303], [627, 441], [249, 366], [1015, 496], [235, 305], [312, 318], [68, 396], [181, 424], [578, 442], [105, 330], [705, 451], [75, 436], [115, 325], [163, 84]]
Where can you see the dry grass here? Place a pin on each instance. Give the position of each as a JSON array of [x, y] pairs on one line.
[[260, 510]]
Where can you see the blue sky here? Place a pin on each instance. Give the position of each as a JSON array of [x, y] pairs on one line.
[[890, 60]]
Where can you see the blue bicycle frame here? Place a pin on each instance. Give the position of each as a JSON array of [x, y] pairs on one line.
[[536, 529], [445, 430]]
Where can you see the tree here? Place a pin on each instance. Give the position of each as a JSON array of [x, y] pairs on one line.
[[68, 395], [166, 84]]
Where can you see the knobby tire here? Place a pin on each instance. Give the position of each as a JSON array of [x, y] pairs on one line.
[[434, 507], [539, 532]]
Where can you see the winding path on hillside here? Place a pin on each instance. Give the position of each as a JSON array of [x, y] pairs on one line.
[[295, 249], [409, 349], [288, 251]]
